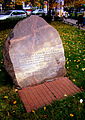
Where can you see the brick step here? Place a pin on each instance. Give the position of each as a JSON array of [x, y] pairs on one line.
[[43, 94]]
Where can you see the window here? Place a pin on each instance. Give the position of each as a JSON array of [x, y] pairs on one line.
[[7, 13], [18, 13], [14, 13]]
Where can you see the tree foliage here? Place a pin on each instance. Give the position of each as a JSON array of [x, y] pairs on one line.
[[33, 2], [51, 2], [79, 2], [1, 1], [74, 2]]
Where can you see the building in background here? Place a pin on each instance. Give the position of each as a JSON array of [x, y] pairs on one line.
[[45, 7], [0, 7], [27, 6], [60, 7]]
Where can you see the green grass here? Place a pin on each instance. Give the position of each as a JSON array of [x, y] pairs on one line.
[[70, 108]]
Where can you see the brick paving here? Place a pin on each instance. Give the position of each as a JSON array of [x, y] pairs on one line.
[[43, 94]]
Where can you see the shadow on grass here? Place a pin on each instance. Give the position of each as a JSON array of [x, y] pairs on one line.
[[8, 24], [5, 78]]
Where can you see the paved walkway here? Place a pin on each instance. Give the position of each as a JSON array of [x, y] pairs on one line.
[[73, 22], [43, 94]]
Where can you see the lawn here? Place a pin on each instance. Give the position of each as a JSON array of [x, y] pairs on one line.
[[70, 108]]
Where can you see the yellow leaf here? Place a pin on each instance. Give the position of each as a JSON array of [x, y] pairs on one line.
[[67, 62], [13, 111], [16, 90], [44, 108], [77, 66], [6, 97], [74, 60], [81, 100], [83, 69], [71, 115], [74, 80], [33, 111], [65, 95], [78, 60], [15, 102], [8, 113]]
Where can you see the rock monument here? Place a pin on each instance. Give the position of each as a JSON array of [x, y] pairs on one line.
[[33, 52]]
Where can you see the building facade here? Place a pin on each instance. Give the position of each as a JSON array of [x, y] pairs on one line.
[[60, 7]]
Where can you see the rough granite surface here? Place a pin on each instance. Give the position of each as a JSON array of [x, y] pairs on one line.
[[33, 52]]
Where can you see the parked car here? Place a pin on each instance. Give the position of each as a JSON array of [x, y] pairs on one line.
[[10, 18], [39, 12], [13, 15]]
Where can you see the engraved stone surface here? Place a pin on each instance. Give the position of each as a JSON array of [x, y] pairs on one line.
[[33, 52]]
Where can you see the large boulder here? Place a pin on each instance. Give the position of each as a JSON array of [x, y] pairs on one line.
[[33, 52]]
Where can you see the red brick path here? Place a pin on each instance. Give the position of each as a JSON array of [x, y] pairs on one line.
[[43, 94]]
